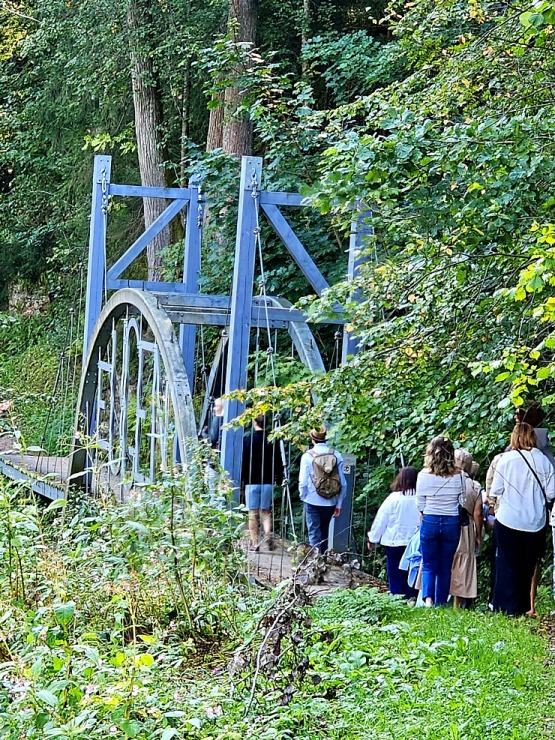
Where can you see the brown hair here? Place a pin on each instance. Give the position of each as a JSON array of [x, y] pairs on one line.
[[523, 437], [534, 415], [405, 480], [440, 457]]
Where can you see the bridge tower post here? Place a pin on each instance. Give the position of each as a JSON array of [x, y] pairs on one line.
[[191, 273], [361, 228], [240, 317], [96, 271]]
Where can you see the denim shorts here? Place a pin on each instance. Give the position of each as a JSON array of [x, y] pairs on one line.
[[260, 496]]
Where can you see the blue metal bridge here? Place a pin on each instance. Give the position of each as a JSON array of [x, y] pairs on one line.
[[135, 400]]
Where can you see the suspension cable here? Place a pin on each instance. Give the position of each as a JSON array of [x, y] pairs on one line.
[[270, 351]]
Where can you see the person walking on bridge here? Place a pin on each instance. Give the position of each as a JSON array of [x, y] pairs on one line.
[[261, 469], [322, 487]]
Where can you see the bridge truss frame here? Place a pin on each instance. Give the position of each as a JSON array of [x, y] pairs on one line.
[[194, 308]]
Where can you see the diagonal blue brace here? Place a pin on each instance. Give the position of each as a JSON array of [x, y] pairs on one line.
[[96, 269], [304, 261], [240, 319], [146, 237]]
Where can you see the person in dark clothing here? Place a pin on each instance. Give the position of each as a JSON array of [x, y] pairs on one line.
[[215, 428], [261, 469]]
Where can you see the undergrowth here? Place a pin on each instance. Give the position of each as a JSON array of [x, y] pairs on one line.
[[135, 621], [39, 378]]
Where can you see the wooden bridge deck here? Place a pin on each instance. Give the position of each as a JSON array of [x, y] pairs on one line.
[[48, 474]]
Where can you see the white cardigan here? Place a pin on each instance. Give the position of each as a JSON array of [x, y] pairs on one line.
[[396, 521]]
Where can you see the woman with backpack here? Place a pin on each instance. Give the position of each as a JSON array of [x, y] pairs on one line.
[[395, 523], [438, 489], [322, 487]]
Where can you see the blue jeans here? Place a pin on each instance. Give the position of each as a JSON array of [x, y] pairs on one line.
[[396, 577], [439, 538], [318, 520]]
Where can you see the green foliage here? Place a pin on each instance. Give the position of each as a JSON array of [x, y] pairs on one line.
[[360, 605], [119, 620], [456, 174], [353, 64], [105, 604], [356, 674], [38, 378]]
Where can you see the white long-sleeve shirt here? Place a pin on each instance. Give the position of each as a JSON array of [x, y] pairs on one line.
[[522, 504], [396, 521], [307, 491]]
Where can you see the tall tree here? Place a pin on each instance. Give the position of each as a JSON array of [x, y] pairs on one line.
[[214, 138], [148, 125], [237, 129]]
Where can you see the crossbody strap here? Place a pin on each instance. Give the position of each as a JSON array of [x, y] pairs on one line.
[[462, 492], [536, 477]]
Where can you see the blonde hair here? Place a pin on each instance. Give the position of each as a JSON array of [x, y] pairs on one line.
[[440, 457], [463, 460], [523, 437]]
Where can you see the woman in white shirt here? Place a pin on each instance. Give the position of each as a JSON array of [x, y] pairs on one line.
[[438, 490], [523, 483], [395, 523]]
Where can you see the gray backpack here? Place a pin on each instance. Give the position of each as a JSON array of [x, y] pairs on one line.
[[325, 473]]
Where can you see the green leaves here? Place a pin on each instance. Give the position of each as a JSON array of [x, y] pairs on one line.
[[538, 19], [47, 697], [64, 614]]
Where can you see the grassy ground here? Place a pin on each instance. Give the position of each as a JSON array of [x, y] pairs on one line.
[[396, 673]]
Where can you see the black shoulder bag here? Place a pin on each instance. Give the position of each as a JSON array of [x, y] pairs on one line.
[[464, 516], [540, 484]]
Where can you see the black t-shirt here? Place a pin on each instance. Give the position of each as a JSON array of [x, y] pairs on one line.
[[261, 460]]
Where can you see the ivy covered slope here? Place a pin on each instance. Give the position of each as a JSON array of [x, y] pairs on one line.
[[136, 621], [454, 159]]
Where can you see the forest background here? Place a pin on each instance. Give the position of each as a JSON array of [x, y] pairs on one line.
[[135, 621], [435, 114]]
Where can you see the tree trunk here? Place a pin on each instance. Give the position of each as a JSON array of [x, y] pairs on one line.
[[214, 140], [148, 122], [237, 131], [305, 22], [305, 30]]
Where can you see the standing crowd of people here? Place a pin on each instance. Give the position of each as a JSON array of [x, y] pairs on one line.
[[432, 523]]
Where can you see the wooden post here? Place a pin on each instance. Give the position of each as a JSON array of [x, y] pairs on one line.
[[240, 318]]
